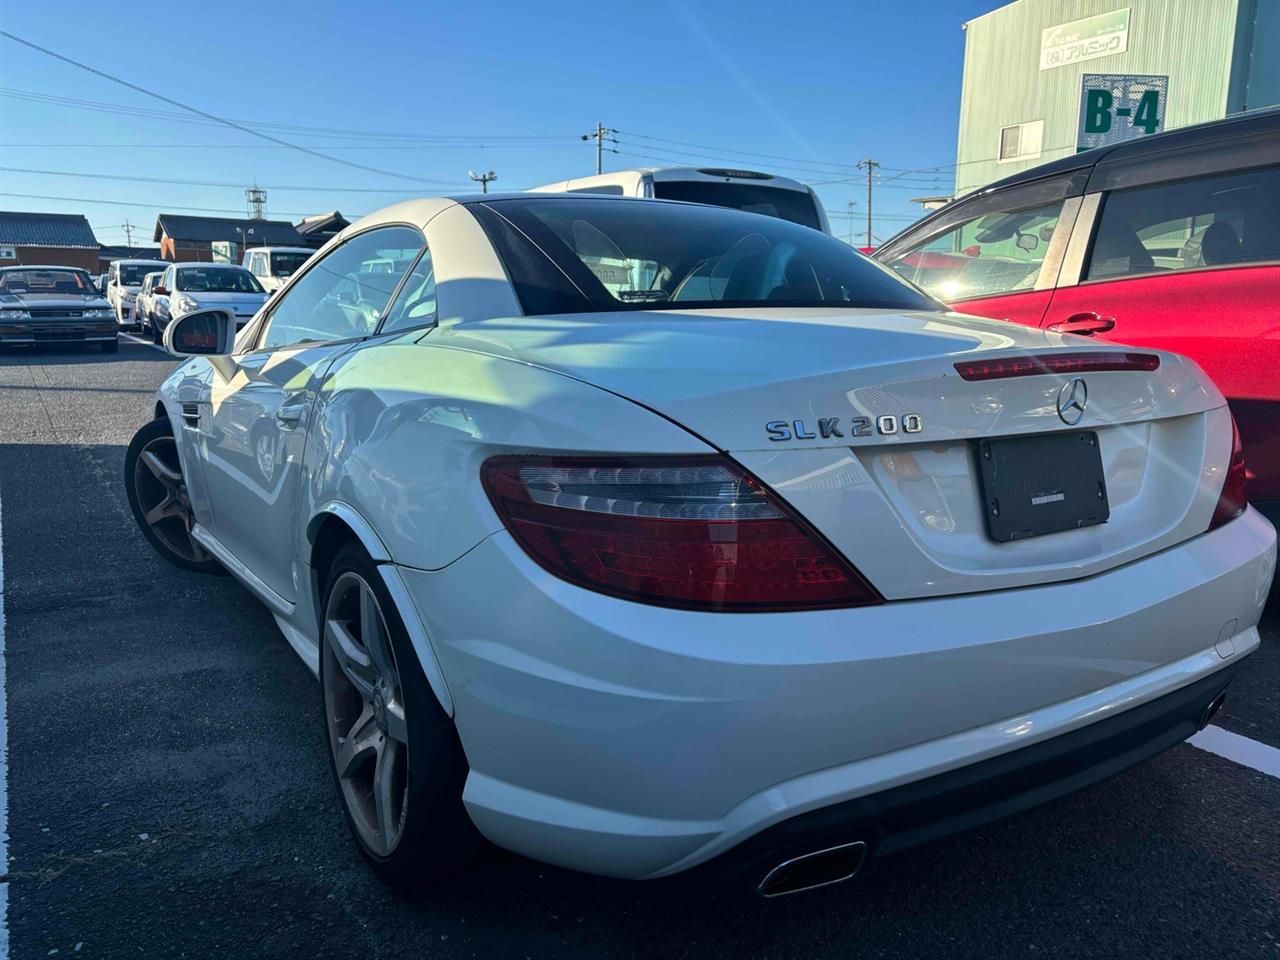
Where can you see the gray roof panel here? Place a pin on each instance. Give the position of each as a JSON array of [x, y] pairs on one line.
[[24, 229]]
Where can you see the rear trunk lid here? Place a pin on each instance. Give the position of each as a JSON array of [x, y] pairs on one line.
[[861, 421]]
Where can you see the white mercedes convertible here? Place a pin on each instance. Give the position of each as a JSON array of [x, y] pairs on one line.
[[636, 535]]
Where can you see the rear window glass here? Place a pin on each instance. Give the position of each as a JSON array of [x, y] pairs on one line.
[[217, 280], [131, 274], [286, 264], [594, 254], [793, 205]]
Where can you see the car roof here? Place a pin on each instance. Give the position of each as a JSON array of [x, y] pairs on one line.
[[42, 266], [1263, 123], [135, 262], [208, 265], [280, 249], [1181, 138]]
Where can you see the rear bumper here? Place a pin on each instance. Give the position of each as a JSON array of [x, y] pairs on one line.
[[990, 790], [1271, 510], [638, 741]]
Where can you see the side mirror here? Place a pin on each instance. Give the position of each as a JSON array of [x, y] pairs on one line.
[[160, 291], [205, 333], [1028, 241]]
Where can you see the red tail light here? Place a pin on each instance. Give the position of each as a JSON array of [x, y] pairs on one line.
[[693, 532], [1233, 499], [1001, 368]]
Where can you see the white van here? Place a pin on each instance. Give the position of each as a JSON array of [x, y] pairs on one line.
[[274, 265], [124, 280], [740, 189]]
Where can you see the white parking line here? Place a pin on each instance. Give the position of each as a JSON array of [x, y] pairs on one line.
[[146, 343], [4, 773], [1241, 750]]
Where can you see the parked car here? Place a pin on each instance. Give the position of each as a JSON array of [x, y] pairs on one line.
[[142, 304], [751, 552], [51, 305], [746, 190], [100, 281], [124, 279], [186, 287], [1170, 241], [274, 265]]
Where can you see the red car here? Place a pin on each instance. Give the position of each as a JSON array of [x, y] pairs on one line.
[[1171, 241]]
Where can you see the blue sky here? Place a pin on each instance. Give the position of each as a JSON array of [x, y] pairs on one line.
[[431, 90]]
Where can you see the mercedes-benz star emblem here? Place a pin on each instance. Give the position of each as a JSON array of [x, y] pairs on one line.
[[1071, 401]]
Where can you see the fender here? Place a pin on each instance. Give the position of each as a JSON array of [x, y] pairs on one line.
[[405, 606], [371, 542]]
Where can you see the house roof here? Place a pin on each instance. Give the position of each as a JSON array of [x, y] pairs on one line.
[[333, 220], [23, 229], [129, 253], [208, 229]]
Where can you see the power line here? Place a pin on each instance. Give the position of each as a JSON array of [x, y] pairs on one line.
[[157, 206], [219, 183], [912, 185], [208, 116], [766, 156], [271, 146], [296, 129]]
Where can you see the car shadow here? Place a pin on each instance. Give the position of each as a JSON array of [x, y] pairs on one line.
[[64, 353], [167, 760]]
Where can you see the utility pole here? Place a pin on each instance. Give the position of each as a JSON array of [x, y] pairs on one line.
[[851, 206], [599, 136], [484, 179], [128, 229], [870, 166]]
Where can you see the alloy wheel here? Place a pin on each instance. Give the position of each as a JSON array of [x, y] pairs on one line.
[[364, 713], [166, 504]]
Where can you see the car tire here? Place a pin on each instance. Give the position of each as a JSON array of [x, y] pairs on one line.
[[111, 346], [156, 489], [157, 335], [402, 799]]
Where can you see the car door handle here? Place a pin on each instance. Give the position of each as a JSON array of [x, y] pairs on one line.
[[289, 414], [1085, 324]]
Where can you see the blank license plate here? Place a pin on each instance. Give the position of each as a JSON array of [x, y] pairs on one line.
[[1037, 485]]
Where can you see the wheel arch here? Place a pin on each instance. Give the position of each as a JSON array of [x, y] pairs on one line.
[[336, 524]]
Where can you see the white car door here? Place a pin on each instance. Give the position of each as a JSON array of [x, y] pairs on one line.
[[260, 402]]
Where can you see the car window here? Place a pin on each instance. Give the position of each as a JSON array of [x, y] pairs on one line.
[[793, 205], [1000, 251], [345, 294], [1211, 222], [592, 254], [416, 305], [284, 264], [217, 280]]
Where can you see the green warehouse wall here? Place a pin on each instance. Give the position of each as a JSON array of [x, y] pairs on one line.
[[1215, 53]]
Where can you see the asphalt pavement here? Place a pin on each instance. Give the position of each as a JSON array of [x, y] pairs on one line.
[[169, 795]]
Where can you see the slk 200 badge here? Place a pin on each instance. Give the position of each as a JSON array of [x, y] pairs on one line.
[[829, 427]]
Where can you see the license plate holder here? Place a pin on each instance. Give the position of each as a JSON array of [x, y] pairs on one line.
[[1032, 486]]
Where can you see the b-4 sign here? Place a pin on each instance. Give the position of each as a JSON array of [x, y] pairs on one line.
[[1119, 107]]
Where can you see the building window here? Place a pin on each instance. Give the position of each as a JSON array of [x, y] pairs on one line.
[[1021, 141]]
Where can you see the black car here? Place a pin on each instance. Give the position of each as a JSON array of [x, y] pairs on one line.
[[54, 305]]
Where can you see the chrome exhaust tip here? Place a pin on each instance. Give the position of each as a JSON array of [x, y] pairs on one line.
[[810, 871], [1214, 706]]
